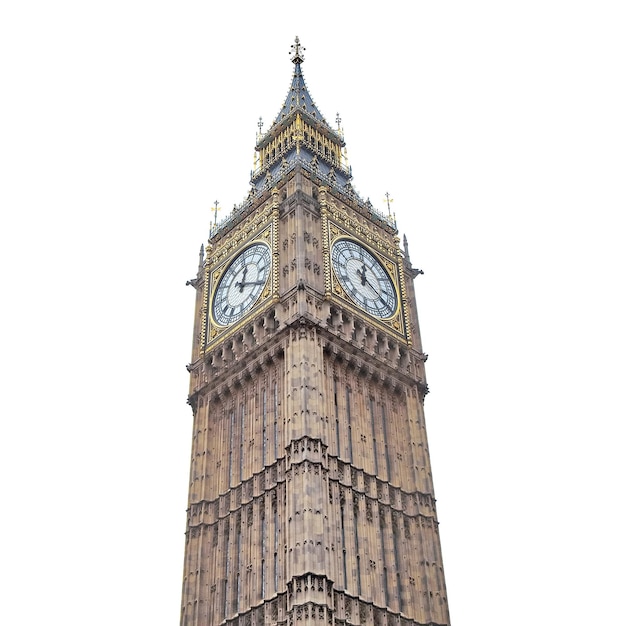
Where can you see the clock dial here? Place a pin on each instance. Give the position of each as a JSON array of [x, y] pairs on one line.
[[364, 279], [241, 284]]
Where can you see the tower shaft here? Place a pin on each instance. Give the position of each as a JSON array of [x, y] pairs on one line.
[[311, 498]]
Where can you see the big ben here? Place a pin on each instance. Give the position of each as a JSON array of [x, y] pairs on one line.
[[311, 497]]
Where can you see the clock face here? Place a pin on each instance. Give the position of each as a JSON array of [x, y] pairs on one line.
[[241, 284], [364, 279]]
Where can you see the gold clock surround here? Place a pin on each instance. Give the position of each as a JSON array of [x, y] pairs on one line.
[[337, 224], [224, 253]]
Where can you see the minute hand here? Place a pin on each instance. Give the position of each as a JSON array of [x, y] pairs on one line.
[[376, 291], [362, 274]]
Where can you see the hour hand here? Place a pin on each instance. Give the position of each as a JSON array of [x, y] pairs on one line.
[[242, 284], [362, 274]]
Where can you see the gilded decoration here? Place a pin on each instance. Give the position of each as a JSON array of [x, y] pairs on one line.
[[338, 223], [260, 227], [241, 234], [279, 368]]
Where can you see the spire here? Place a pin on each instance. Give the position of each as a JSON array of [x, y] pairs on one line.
[[298, 96], [300, 135], [201, 257]]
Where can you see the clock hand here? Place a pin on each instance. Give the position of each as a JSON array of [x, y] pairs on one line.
[[362, 274], [372, 287], [242, 284]]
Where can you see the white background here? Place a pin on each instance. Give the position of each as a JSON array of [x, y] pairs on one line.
[[499, 130]]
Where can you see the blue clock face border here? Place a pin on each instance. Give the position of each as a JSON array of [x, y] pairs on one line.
[[364, 279], [241, 285]]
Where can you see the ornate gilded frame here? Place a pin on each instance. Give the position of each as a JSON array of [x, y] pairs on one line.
[[261, 227], [338, 224]]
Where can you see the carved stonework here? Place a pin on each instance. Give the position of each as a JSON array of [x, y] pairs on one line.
[[310, 497]]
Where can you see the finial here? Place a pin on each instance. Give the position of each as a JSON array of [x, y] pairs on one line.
[[201, 257], [389, 200], [215, 209], [297, 52], [405, 245], [339, 129], [260, 125]]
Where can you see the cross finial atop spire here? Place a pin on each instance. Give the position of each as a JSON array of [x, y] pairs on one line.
[[297, 52]]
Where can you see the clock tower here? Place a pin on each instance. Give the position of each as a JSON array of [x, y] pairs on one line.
[[310, 492]]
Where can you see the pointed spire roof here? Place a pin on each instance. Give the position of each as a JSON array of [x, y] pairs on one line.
[[300, 134], [298, 96], [300, 137]]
